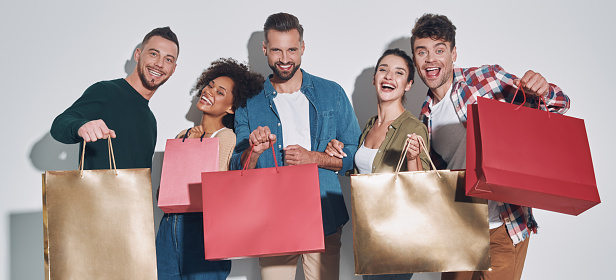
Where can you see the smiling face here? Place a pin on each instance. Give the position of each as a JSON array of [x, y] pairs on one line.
[[434, 62], [391, 79], [156, 62], [284, 50], [216, 98]]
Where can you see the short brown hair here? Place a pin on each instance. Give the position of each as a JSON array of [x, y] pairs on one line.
[[437, 27], [164, 32], [283, 22]]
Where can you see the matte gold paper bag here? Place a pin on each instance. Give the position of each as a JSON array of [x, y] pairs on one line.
[[99, 224], [420, 221]]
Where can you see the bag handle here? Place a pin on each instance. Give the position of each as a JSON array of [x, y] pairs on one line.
[[250, 154], [524, 102], [186, 135], [111, 158], [407, 143]]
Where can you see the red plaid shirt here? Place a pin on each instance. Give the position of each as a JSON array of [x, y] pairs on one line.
[[491, 81]]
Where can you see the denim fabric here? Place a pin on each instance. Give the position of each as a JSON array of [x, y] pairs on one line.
[[180, 252], [388, 277], [331, 117]]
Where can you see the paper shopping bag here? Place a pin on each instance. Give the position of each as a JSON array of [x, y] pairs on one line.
[[529, 157], [98, 224], [180, 180], [262, 212], [421, 221]]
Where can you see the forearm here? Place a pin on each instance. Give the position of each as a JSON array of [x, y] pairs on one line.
[[254, 157], [64, 128], [323, 160], [414, 164]]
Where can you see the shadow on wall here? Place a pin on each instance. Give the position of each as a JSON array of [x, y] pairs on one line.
[[26, 245], [194, 115], [49, 154], [256, 59], [364, 94], [130, 64]]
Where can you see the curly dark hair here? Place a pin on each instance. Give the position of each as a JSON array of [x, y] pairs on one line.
[[245, 82], [437, 27]]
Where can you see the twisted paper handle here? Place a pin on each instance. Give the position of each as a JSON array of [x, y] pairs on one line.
[[111, 158], [422, 143], [542, 98], [250, 154]]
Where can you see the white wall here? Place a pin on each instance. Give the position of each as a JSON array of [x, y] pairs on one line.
[[53, 50]]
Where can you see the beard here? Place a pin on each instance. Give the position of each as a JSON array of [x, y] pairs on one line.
[[284, 75], [148, 84]]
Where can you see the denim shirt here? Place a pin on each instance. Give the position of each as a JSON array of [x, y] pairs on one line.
[[331, 117]]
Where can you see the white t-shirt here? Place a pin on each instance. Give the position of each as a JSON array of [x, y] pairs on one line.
[[364, 157], [448, 133], [293, 110], [449, 141]]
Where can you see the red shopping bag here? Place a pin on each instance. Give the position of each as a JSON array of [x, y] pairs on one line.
[[180, 179], [528, 157], [262, 212]]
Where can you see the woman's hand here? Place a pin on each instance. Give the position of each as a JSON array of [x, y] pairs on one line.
[[334, 149], [195, 132], [413, 149]]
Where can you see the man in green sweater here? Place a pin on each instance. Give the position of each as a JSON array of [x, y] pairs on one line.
[[120, 108]]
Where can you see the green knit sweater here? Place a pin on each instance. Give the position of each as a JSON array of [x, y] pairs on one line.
[[125, 111]]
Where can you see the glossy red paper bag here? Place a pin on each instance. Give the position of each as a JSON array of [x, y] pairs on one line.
[[262, 212], [180, 180], [528, 157]]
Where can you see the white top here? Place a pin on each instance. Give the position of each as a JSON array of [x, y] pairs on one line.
[[295, 118], [449, 141], [216, 132], [448, 133], [364, 157]]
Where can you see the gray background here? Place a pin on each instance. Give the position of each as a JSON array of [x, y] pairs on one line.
[[53, 50]]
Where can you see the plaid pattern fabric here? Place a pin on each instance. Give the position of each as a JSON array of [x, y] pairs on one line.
[[491, 81]]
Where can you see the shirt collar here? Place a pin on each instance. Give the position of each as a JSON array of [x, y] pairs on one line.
[[306, 84]]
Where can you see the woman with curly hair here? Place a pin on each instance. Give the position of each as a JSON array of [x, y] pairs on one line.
[[223, 87]]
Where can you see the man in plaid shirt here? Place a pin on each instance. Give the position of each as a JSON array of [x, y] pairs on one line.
[[444, 113]]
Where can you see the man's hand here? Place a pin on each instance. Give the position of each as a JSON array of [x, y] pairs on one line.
[[296, 155], [261, 138], [334, 149], [533, 83], [94, 130]]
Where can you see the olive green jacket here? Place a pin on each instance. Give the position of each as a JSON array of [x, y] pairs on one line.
[[389, 152]]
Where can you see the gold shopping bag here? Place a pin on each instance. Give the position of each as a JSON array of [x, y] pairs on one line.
[[99, 224], [419, 221]]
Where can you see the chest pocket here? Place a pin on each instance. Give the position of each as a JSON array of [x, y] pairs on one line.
[[327, 126]]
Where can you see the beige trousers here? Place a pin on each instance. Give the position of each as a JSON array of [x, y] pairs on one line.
[[317, 266], [507, 259]]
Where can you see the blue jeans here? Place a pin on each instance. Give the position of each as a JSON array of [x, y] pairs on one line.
[[388, 277], [180, 252]]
